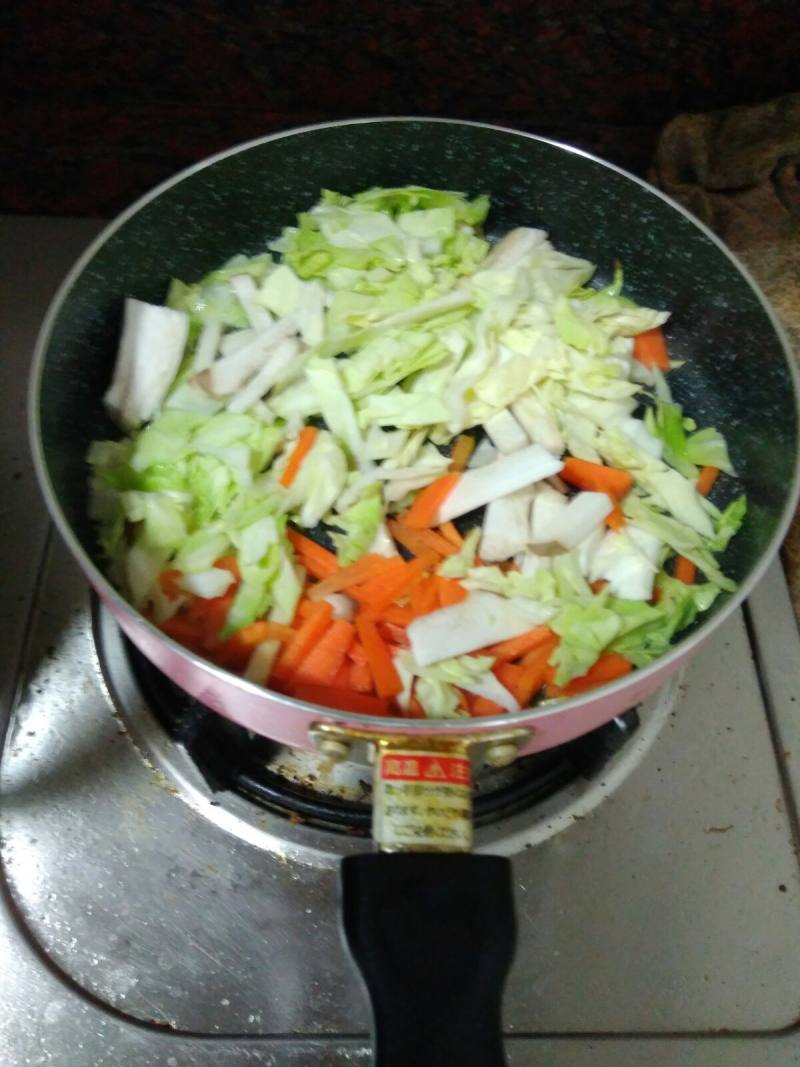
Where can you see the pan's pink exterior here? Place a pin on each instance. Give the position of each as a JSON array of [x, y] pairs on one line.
[[289, 721]]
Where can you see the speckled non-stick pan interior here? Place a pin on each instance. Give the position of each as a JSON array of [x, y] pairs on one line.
[[736, 375]]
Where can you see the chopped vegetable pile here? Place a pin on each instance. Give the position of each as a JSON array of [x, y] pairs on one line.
[[394, 470]]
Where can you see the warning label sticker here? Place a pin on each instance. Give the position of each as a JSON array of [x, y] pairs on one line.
[[423, 801]]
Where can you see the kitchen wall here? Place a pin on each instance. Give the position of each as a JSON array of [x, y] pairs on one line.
[[103, 100]]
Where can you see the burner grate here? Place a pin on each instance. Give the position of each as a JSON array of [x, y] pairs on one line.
[[233, 759]]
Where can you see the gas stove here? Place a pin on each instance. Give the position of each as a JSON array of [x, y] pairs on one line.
[[170, 883]]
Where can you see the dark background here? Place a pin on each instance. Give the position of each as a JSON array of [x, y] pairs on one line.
[[103, 100]]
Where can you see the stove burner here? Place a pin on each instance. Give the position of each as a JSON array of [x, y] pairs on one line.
[[233, 759]]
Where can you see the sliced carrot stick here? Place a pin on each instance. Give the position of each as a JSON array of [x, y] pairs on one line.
[[321, 663], [341, 679], [305, 442], [518, 646], [423, 511], [685, 571], [510, 674], [168, 583], [425, 597], [209, 615], [534, 671], [615, 520], [607, 668], [360, 677], [706, 479], [342, 699], [318, 561], [481, 706], [311, 630], [449, 591], [449, 531], [463, 700], [370, 589], [596, 477], [303, 610], [238, 648], [400, 616], [364, 568], [357, 653], [462, 450], [417, 541], [378, 593], [184, 631], [650, 348], [387, 681], [392, 635]]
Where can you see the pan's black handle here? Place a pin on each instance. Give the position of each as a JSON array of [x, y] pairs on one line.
[[433, 935]]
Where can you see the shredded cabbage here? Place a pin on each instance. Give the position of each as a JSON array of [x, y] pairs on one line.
[[387, 322]]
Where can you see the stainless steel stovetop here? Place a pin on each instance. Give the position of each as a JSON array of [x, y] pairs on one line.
[[147, 921]]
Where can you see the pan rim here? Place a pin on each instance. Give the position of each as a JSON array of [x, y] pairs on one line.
[[415, 727]]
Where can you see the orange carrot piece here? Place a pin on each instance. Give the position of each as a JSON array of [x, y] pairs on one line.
[[423, 511], [341, 679], [598, 586], [341, 699], [305, 442], [311, 630], [387, 680], [418, 541], [706, 479], [181, 629], [462, 450], [323, 660], [518, 646], [650, 348], [607, 668], [378, 593], [510, 674], [364, 568], [425, 597], [238, 648], [360, 677], [482, 706], [209, 616], [400, 616], [449, 531], [449, 592], [318, 561], [392, 635], [615, 520], [304, 609], [372, 587], [685, 571], [596, 477], [168, 583], [229, 563], [534, 671], [357, 653]]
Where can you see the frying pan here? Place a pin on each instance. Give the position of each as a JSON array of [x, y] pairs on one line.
[[427, 922]]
